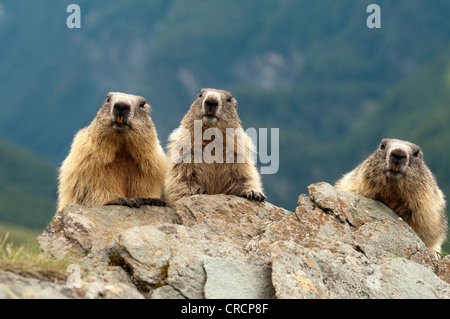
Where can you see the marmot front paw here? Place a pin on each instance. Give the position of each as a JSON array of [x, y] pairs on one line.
[[197, 191], [138, 202], [152, 202], [254, 195]]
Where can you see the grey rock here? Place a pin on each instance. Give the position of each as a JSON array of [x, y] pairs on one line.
[[166, 292], [173, 255], [232, 279], [444, 269], [83, 230], [13, 286], [335, 245], [404, 279], [345, 273], [107, 282], [317, 273]]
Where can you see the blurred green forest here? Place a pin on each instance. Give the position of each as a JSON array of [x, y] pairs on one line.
[[27, 188], [312, 69]]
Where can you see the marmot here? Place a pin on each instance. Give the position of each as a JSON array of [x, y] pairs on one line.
[[397, 175], [117, 159], [194, 172]]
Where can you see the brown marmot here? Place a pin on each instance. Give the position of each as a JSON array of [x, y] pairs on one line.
[[117, 159], [212, 116], [397, 175]]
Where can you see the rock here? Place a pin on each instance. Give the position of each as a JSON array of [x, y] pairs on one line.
[[167, 292], [232, 279], [81, 230], [107, 282], [298, 272], [13, 286], [238, 218], [174, 255], [405, 279], [335, 245], [103, 283], [444, 269]]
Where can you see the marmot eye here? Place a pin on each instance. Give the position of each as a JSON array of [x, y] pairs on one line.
[[108, 98], [229, 98], [142, 104], [200, 94], [382, 146], [416, 153]]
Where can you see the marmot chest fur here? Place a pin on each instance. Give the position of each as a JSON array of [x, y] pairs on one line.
[[210, 153], [117, 159]]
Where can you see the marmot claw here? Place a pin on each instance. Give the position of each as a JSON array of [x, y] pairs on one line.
[[199, 191], [138, 202], [254, 195]]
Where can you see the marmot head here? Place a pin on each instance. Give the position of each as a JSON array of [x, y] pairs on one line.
[[216, 108], [123, 112], [398, 159]]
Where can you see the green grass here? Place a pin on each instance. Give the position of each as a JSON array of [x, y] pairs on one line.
[[20, 235], [27, 260], [20, 253]]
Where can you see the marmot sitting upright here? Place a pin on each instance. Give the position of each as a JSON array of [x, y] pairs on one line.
[[117, 159], [212, 115], [397, 175]]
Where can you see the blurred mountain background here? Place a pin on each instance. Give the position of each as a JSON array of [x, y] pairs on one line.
[[313, 69]]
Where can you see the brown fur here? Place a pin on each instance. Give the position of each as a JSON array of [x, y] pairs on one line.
[[240, 179], [412, 192], [109, 163]]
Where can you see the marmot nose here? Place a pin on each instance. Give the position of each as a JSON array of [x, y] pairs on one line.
[[398, 155], [211, 103], [121, 107], [210, 106]]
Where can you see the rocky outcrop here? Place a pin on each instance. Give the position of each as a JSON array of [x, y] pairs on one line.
[[335, 245]]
